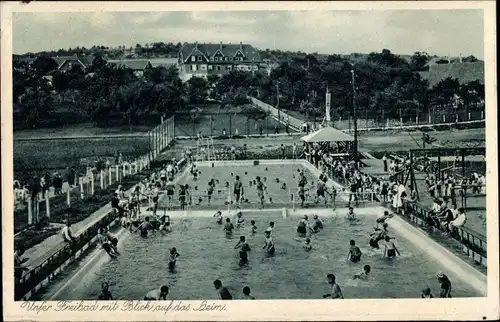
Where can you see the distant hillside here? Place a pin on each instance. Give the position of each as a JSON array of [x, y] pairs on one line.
[[463, 72]]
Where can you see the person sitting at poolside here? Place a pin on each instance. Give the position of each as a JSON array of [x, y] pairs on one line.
[[390, 249], [354, 254], [269, 244], [172, 259], [223, 292], [157, 294], [218, 216], [228, 228], [426, 293], [244, 249], [459, 221], [365, 274], [145, 227], [105, 293], [105, 244]]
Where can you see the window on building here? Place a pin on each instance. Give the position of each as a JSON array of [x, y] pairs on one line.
[[219, 67], [193, 68], [193, 58], [229, 67], [210, 67], [249, 67], [255, 68], [203, 67], [225, 58], [230, 58], [216, 58], [199, 58], [211, 59]]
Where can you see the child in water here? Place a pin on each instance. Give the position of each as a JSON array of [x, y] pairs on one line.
[[307, 245], [354, 254], [228, 228], [240, 220], [244, 249], [390, 249], [172, 259], [365, 274], [218, 216], [254, 228], [145, 227], [269, 243]]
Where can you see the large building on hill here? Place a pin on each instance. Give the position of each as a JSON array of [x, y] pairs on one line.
[[464, 72], [65, 63], [217, 59]]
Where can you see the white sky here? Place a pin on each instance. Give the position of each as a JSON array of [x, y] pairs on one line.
[[440, 32]]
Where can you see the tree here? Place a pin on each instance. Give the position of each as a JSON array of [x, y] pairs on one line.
[[419, 61], [197, 89], [36, 105], [255, 113], [44, 65], [60, 81]]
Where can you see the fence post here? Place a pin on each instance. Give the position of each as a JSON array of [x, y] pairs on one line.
[[456, 118], [136, 170], [102, 179], [416, 120], [37, 211], [444, 118], [30, 211], [110, 172], [482, 115], [81, 187], [68, 197], [469, 116], [430, 120], [47, 204], [117, 167], [92, 183], [401, 122]]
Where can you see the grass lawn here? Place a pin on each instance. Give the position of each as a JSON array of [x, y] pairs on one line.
[[57, 154]]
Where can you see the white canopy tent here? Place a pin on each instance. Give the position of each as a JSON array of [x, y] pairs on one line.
[[327, 134]]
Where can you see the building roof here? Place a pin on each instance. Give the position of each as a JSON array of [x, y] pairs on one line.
[[86, 61], [327, 134], [228, 50], [163, 62], [463, 72], [134, 64]]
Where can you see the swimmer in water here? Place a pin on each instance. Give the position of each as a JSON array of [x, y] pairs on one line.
[[244, 249], [112, 240], [317, 224], [145, 227], [302, 195], [283, 186], [240, 220], [172, 259], [426, 293], [246, 294], [336, 292], [302, 226], [218, 216], [105, 293], [228, 228], [210, 190], [260, 192], [223, 292], [445, 283], [383, 218], [253, 227], [165, 224], [365, 274], [354, 254], [270, 229], [269, 243], [157, 294], [390, 249], [351, 215], [307, 245]]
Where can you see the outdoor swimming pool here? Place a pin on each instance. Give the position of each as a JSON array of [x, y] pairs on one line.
[[292, 273]]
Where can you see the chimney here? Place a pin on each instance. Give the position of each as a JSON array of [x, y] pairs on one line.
[[220, 46], [196, 44], [241, 45]]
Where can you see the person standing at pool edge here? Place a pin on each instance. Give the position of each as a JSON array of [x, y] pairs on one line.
[[336, 292]]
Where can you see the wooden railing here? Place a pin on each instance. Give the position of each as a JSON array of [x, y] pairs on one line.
[[474, 244]]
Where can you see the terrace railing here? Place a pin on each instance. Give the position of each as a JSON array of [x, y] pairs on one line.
[[474, 244]]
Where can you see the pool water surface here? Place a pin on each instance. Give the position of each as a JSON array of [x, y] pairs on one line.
[[206, 254]]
